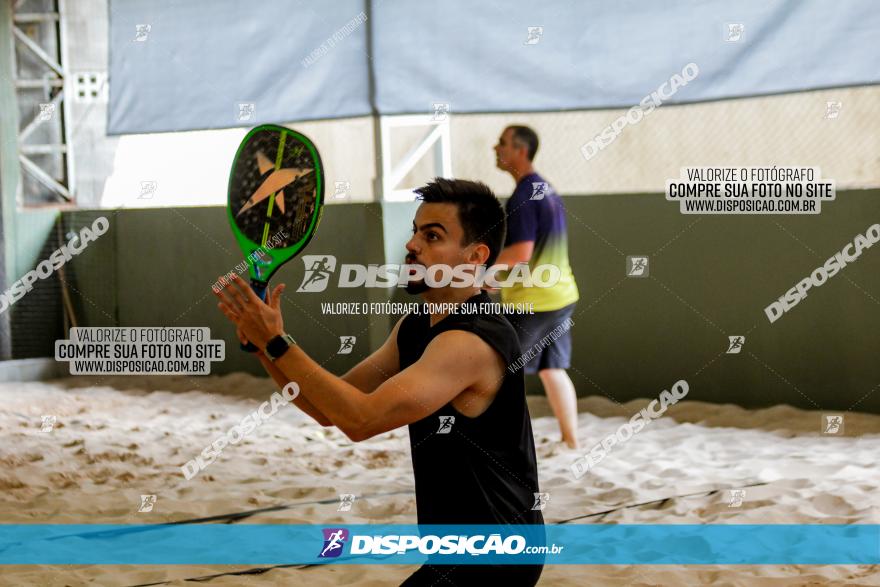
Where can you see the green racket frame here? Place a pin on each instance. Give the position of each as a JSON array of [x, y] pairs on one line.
[[260, 275]]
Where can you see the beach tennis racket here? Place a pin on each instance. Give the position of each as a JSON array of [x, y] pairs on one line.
[[275, 200]]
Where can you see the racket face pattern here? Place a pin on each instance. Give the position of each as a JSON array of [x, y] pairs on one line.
[[275, 197]]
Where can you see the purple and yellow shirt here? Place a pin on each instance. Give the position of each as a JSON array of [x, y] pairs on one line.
[[535, 212]]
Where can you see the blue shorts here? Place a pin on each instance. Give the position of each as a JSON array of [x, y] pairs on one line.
[[544, 338]]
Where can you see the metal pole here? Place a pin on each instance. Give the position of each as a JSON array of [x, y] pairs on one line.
[[10, 174]]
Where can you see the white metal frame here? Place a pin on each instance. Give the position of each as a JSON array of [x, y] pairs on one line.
[[436, 139], [54, 78]]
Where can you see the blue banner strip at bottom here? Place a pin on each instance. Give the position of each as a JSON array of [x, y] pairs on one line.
[[270, 544]]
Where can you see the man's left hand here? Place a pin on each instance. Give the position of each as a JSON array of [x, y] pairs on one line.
[[259, 321]]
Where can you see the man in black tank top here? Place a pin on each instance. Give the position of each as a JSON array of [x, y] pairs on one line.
[[473, 470], [448, 376]]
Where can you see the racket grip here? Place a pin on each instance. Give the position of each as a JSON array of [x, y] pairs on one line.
[[259, 288]]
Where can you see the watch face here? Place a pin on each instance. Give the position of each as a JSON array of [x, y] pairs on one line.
[[278, 345], [275, 347]]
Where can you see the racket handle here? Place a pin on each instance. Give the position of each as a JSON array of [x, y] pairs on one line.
[[259, 288]]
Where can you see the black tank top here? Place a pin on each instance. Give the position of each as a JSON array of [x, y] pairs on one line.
[[473, 470]]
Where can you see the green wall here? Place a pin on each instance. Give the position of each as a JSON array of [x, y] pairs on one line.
[[710, 277], [156, 267]]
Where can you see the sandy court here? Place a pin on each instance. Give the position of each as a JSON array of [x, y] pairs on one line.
[[128, 436]]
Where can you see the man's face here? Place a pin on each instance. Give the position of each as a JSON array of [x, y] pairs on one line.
[[507, 153], [437, 240]]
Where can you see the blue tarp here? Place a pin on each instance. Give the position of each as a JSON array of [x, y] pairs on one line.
[[298, 60], [199, 60]]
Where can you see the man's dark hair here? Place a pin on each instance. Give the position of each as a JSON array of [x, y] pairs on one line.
[[480, 213], [526, 136]]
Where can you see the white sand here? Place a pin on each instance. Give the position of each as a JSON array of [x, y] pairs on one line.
[[116, 441]]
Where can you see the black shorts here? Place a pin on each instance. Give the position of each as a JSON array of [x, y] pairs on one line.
[[536, 334], [474, 575]]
